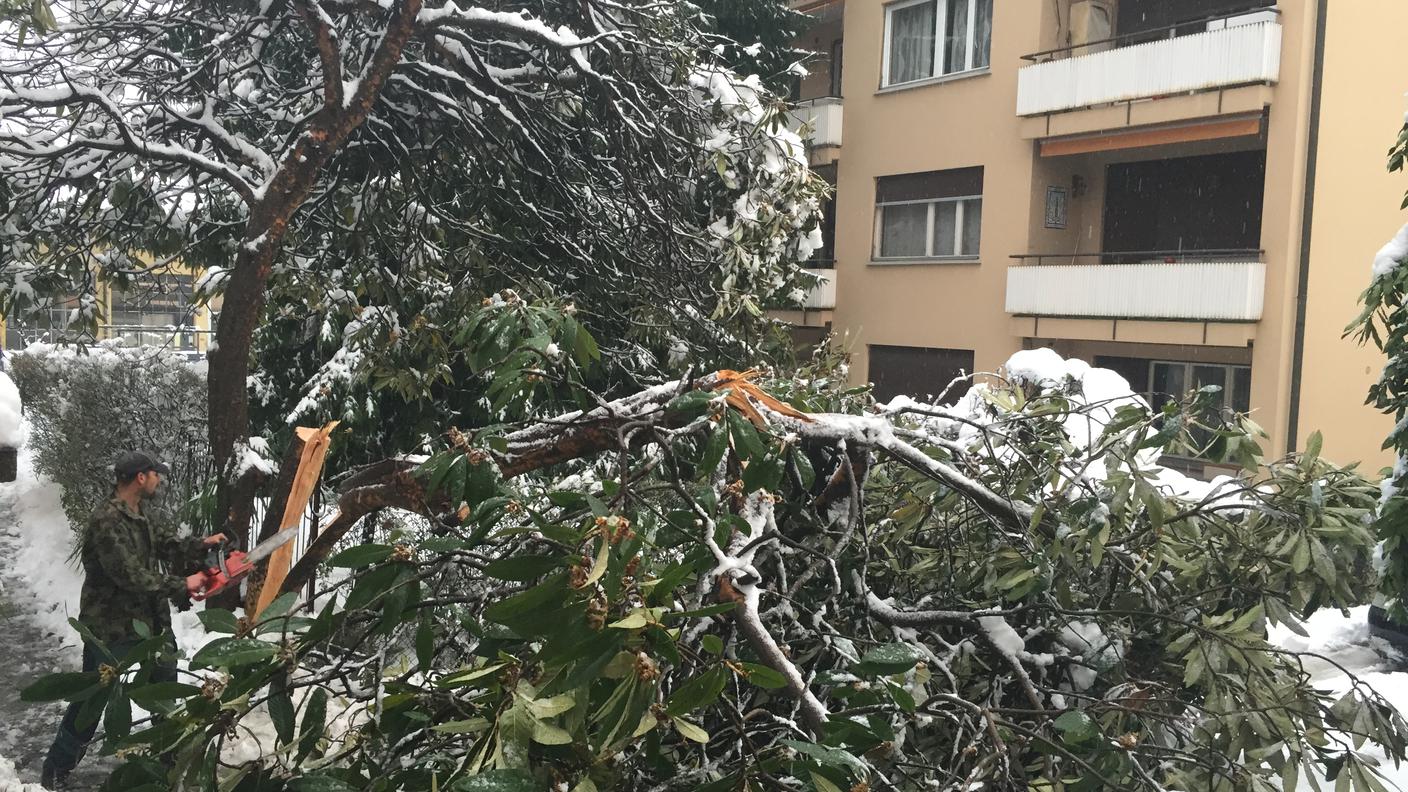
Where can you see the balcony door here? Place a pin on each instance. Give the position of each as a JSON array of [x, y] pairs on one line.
[[1185, 204]]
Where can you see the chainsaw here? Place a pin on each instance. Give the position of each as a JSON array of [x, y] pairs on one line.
[[225, 568]]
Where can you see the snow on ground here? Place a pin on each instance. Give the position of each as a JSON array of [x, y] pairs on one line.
[[10, 779], [12, 430], [1348, 648], [52, 583]]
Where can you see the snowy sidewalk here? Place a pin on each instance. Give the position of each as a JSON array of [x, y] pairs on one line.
[[37, 593]]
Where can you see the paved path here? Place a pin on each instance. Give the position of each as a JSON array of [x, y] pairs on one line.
[[28, 651]]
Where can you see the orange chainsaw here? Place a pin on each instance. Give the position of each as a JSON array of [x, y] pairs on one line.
[[227, 568]]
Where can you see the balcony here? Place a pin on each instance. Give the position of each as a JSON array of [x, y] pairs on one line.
[[1241, 49], [821, 297], [1214, 286], [822, 116]]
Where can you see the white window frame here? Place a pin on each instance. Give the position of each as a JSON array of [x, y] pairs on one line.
[[940, 50], [958, 218]]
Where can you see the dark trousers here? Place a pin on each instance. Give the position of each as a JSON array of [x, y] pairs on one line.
[[72, 742]]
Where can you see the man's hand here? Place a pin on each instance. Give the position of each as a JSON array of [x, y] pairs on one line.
[[217, 539]]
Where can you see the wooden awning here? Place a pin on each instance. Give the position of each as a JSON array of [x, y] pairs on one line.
[[1245, 126]]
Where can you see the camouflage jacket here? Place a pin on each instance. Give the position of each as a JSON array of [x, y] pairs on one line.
[[132, 568]]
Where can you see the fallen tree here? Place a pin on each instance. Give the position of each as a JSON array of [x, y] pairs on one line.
[[704, 585]]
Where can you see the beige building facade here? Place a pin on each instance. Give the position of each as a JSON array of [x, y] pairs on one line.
[[1189, 192]]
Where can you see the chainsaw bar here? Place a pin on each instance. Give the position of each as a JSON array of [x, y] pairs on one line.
[[267, 547]]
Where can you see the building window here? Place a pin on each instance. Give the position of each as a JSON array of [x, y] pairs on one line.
[[156, 313], [938, 214], [1171, 380], [931, 38], [1164, 381], [50, 324], [919, 371]]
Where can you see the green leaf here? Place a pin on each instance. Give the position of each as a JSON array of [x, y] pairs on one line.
[[691, 403], [548, 734], [534, 600], [314, 722], [690, 732], [319, 783], [361, 555], [710, 610], [232, 652], [162, 692], [372, 585], [55, 687], [762, 473], [832, 757], [425, 643], [712, 644], [117, 721], [745, 437], [218, 621], [633, 621], [586, 349], [892, 658], [764, 677], [698, 692], [522, 568], [462, 678], [499, 781], [552, 706], [714, 449], [1076, 727], [279, 607], [469, 726], [599, 566], [444, 544], [281, 713]]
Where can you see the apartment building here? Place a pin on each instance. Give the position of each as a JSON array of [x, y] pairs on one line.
[[1187, 192]]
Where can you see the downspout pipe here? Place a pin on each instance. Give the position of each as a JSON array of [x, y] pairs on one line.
[[1312, 157]]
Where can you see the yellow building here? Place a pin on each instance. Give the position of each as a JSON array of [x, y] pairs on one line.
[[158, 312], [1187, 192]]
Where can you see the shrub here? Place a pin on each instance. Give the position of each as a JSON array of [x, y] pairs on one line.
[[87, 405]]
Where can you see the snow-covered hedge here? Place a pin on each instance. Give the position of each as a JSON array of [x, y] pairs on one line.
[[86, 406]]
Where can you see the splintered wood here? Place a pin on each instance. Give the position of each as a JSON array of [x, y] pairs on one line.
[[310, 465]]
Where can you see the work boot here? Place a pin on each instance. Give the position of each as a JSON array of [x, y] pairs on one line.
[[52, 777]]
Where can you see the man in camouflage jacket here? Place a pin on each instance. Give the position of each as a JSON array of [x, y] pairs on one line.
[[132, 569]]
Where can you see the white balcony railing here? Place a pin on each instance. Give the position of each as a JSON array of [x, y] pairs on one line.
[[1226, 55], [1211, 291], [823, 116], [823, 295]]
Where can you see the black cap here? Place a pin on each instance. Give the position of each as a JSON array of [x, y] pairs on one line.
[[133, 462]]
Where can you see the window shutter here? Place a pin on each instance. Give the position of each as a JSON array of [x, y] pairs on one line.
[[929, 186]]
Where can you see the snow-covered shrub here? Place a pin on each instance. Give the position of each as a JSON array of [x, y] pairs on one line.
[[86, 406]]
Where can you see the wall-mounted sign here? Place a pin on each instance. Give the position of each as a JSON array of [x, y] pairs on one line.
[[1056, 207]]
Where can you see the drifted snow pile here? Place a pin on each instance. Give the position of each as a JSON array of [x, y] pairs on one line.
[[1338, 644], [1095, 394], [12, 431]]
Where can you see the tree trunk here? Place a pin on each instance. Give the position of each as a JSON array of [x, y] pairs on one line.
[[245, 292]]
